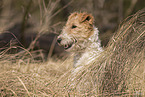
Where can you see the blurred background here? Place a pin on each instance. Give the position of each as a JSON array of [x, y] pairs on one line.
[[33, 25]]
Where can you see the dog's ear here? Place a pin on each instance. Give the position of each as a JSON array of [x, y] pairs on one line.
[[87, 18]]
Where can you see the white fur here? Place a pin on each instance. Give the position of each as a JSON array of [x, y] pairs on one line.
[[92, 51]]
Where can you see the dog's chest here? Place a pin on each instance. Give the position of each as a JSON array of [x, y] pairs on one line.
[[76, 58], [83, 58]]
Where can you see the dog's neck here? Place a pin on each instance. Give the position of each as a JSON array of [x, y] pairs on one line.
[[94, 41], [92, 44]]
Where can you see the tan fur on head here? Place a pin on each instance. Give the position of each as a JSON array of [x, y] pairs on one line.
[[78, 28], [84, 23]]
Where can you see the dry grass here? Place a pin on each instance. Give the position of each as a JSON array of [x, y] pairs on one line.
[[118, 71]]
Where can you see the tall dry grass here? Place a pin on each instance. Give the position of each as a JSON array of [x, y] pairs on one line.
[[119, 71]]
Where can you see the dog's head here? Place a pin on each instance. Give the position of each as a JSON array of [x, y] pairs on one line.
[[79, 27]]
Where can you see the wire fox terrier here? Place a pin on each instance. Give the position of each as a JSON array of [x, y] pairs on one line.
[[80, 36]]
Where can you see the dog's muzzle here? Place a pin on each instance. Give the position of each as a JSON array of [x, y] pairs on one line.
[[67, 46]]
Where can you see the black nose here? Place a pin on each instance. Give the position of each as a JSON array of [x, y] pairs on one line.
[[59, 40]]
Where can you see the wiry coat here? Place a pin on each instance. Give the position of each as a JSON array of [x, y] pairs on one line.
[[81, 37]]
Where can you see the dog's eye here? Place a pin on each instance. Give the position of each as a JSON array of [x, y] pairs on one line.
[[73, 26]]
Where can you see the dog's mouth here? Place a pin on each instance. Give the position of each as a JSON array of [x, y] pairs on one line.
[[68, 46]]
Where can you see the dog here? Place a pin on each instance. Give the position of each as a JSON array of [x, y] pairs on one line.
[[80, 36]]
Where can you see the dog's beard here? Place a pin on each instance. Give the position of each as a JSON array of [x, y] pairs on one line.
[[76, 47], [69, 45]]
